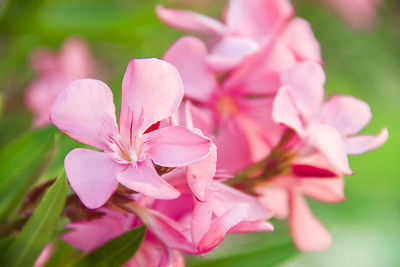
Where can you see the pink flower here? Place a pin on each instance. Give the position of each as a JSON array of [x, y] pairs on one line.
[[237, 111], [284, 196], [89, 235], [359, 14], [331, 126], [151, 92], [55, 71], [225, 210], [248, 24]]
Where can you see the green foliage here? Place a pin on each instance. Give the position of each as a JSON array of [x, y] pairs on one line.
[[39, 229], [117, 251], [261, 257], [22, 162]]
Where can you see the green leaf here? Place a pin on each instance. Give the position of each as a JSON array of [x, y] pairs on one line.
[[22, 162], [117, 251], [270, 256], [39, 229]]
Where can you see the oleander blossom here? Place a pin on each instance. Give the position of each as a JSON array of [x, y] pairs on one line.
[[331, 126], [84, 110], [54, 72], [247, 25], [235, 112]]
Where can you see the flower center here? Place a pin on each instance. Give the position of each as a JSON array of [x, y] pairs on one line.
[[227, 106]]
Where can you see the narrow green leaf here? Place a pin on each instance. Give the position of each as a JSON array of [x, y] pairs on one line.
[[22, 162], [117, 251], [39, 228], [270, 256]]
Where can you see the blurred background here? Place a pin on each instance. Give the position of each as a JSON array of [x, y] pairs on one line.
[[366, 64]]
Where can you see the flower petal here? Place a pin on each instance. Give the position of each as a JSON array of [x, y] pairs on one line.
[[189, 21], [329, 142], [201, 220], [258, 18], [328, 190], [308, 233], [75, 59], [225, 198], [308, 93], [151, 92], [275, 199], [260, 73], [188, 55], [91, 175], [363, 143], [144, 179], [347, 114], [220, 226], [200, 174], [85, 111], [176, 146], [230, 52], [299, 36], [252, 227], [285, 111]]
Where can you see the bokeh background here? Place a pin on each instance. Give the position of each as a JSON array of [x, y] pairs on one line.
[[365, 228]]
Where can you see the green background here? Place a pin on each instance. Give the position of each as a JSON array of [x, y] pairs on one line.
[[365, 228]]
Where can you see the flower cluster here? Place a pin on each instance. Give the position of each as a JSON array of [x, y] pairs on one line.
[[219, 136]]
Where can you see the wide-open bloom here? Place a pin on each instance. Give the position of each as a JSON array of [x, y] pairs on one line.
[[311, 176], [151, 92], [55, 71], [237, 111], [331, 126], [248, 24]]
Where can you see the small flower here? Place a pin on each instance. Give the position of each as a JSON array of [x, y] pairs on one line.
[[331, 126], [84, 110], [55, 71]]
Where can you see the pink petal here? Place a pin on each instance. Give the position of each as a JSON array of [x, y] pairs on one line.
[[75, 59], [200, 174], [190, 21], [363, 143], [233, 149], [329, 190], [176, 146], [252, 227], [43, 60], [85, 111], [260, 73], [167, 230], [347, 114], [188, 55], [257, 140], [308, 93], [225, 198], [88, 235], [275, 199], [230, 52], [299, 36], [329, 142], [308, 233], [144, 179], [201, 220], [285, 110], [41, 94], [151, 92], [258, 18], [91, 175], [220, 226]]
